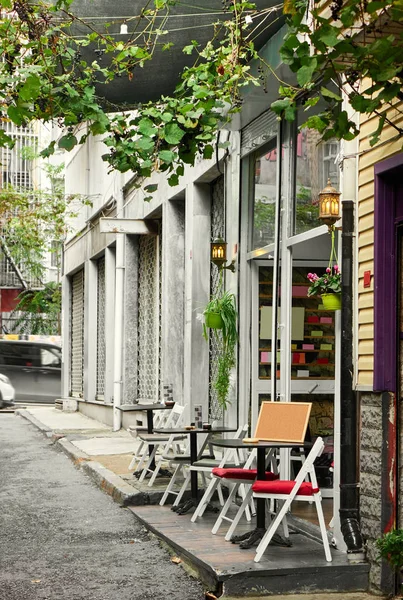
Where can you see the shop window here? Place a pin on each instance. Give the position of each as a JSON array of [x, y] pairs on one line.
[[316, 163], [264, 196]]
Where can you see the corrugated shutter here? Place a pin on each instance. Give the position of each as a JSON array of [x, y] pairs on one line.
[[101, 329], [148, 318], [258, 132], [77, 335]]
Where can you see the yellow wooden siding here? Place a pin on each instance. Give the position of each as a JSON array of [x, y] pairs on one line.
[[368, 157]]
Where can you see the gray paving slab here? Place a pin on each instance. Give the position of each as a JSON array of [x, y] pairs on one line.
[[59, 421], [107, 445]]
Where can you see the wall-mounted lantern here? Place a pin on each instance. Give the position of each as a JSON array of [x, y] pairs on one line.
[[329, 205], [218, 255]]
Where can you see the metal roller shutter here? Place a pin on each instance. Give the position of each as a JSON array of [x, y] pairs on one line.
[[77, 335], [101, 329]]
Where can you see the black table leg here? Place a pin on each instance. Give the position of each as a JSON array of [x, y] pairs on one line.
[[252, 538], [150, 426], [182, 509]]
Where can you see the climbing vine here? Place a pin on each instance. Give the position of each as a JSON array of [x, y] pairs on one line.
[[44, 76], [356, 45]]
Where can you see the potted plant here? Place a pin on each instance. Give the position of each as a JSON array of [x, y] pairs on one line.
[[220, 316], [328, 286], [390, 548]]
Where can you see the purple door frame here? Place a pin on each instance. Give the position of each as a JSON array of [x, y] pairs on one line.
[[388, 214]]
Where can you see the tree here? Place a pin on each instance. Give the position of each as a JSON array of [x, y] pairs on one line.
[[356, 47], [56, 83]]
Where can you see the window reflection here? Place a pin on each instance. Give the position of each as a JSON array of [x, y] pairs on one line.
[[316, 162], [264, 197]]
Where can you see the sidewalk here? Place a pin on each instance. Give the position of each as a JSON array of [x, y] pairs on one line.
[[103, 454]]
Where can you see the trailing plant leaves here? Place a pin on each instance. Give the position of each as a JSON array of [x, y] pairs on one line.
[[173, 133], [68, 142]]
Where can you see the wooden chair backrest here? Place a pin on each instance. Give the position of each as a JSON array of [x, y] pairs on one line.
[[283, 421]]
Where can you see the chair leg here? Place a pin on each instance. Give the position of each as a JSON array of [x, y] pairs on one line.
[[170, 486], [238, 515], [220, 494], [224, 509], [146, 468], [205, 499], [243, 492], [184, 486], [322, 526]]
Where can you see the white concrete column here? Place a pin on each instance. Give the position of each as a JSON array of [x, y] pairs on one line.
[[197, 290], [173, 296], [110, 276]]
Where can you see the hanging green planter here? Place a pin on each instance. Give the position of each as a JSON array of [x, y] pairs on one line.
[[213, 320], [331, 301]]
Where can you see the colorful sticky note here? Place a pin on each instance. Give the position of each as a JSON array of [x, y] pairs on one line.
[[264, 357], [308, 346], [317, 333], [302, 373], [327, 320], [294, 346], [302, 357], [322, 361], [326, 347], [313, 319]]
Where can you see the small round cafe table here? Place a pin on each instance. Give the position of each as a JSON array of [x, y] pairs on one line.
[[194, 455]]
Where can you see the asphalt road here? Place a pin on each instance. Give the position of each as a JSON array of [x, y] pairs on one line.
[[61, 538]]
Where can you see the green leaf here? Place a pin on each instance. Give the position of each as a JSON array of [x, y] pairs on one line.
[[328, 35], [144, 143], [173, 180], [31, 88], [331, 95], [147, 127], [173, 133], [208, 151], [166, 155], [15, 115], [49, 150], [280, 105], [67, 142], [304, 74], [151, 188]]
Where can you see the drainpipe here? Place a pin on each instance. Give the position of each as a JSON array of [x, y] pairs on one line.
[[276, 263], [118, 324], [349, 486]]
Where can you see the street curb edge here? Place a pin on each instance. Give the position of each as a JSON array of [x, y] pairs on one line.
[[27, 415]]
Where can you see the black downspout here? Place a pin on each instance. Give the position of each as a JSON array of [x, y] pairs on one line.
[[349, 485]]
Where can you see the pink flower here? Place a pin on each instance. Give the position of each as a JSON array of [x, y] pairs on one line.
[[328, 270], [336, 268]]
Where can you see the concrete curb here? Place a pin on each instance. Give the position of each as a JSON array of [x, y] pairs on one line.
[[75, 455], [113, 485], [27, 415]]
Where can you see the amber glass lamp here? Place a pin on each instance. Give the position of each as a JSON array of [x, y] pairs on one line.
[[218, 254], [329, 205]]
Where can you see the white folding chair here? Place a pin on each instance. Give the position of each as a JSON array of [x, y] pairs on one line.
[[287, 491], [140, 455], [241, 478], [204, 466], [163, 442]]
